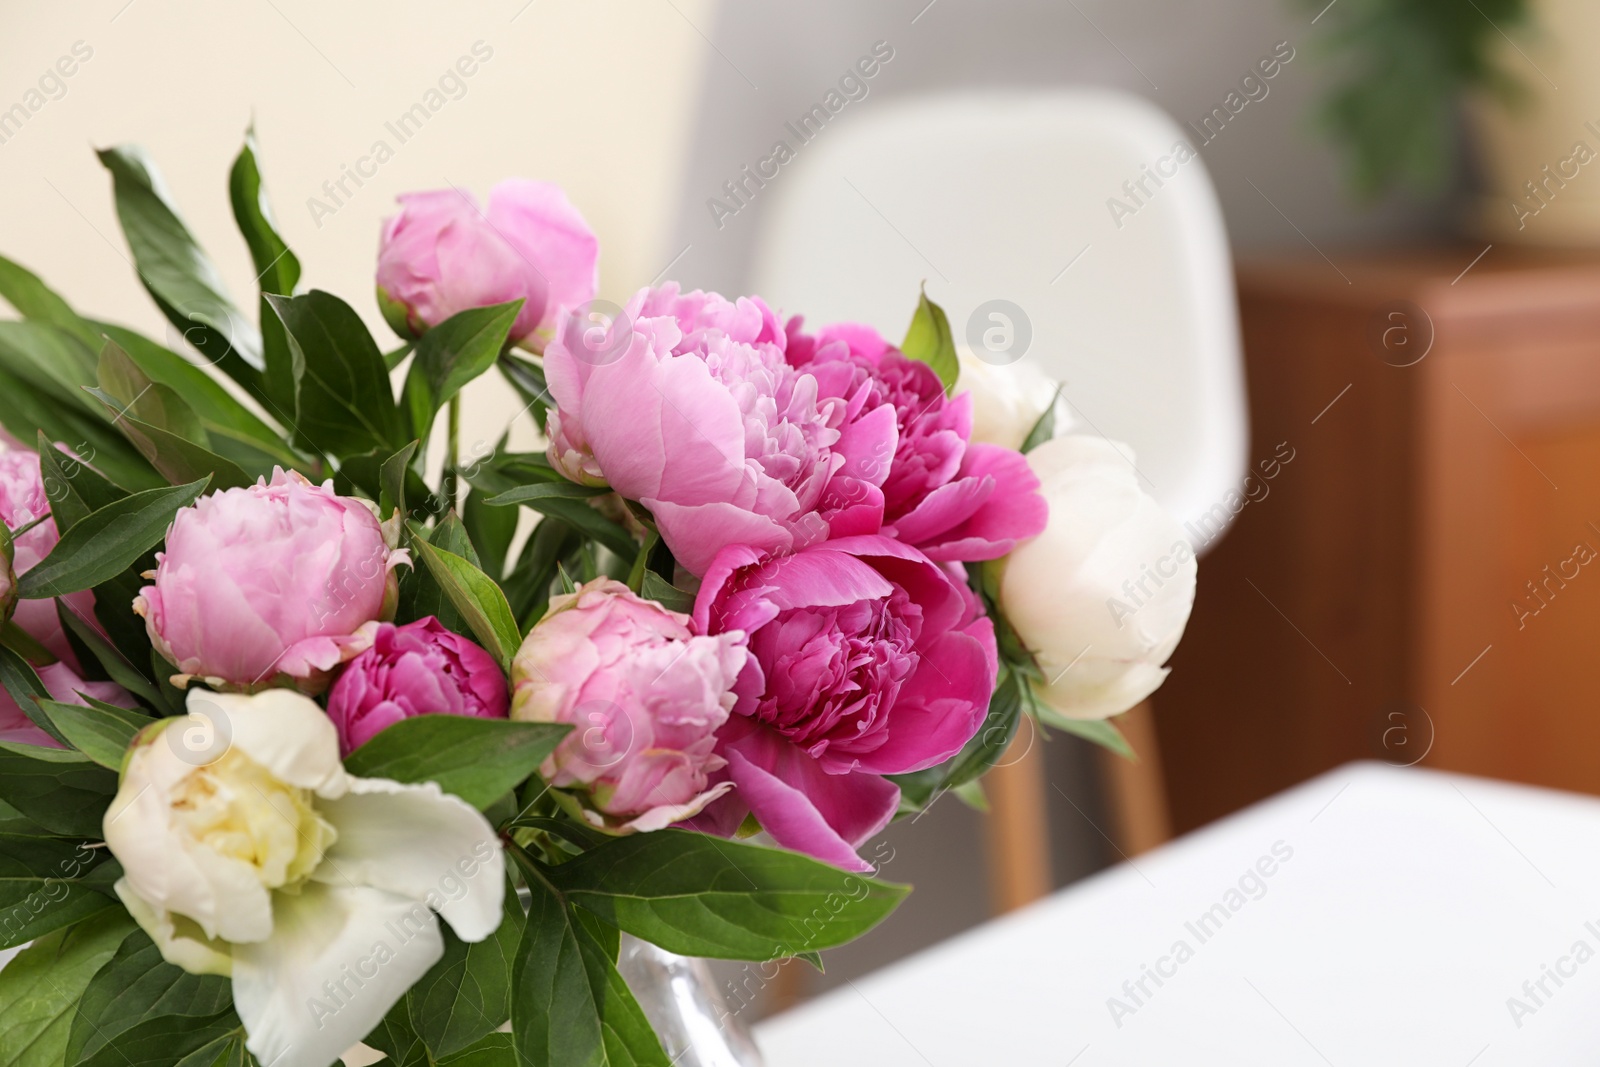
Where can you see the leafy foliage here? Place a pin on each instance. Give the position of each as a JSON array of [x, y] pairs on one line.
[[1408, 64]]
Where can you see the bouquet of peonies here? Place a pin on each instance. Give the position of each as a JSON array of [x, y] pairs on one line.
[[280, 693]]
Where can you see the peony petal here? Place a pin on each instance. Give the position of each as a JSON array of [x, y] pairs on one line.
[[284, 731], [197, 955], [802, 806], [1015, 512], [697, 533], [942, 705], [941, 510], [338, 959], [548, 230], [222, 894], [659, 818], [422, 843]]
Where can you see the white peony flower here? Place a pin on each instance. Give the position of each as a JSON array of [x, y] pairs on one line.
[[1101, 597], [1007, 399], [248, 851]]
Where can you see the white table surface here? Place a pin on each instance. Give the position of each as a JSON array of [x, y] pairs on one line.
[[1414, 905]]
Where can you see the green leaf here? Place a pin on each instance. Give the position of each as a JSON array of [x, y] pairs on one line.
[[41, 888], [127, 390], [180, 460], [127, 631], [524, 494], [277, 269], [52, 359], [219, 409], [39, 990], [478, 760], [24, 291], [176, 1041], [392, 480], [73, 488], [63, 791], [160, 424], [1102, 732], [698, 895], [451, 535], [467, 994], [449, 356], [919, 788], [396, 356], [496, 1050], [928, 339], [22, 642], [31, 401], [491, 531], [528, 584], [23, 686], [102, 735], [527, 378], [580, 516], [654, 587], [116, 666], [476, 596], [137, 985], [570, 1007], [1044, 428], [343, 402], [106, 542], [177, 273], [395, 1038]]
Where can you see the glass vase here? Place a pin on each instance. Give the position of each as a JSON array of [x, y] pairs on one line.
[[680, 998]]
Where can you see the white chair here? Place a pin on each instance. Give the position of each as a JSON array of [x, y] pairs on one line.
[[1007, 196], [1088, 213]]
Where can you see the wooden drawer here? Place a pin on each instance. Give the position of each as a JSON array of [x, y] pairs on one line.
[[1365, 602]]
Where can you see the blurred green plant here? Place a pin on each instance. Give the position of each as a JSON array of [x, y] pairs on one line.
[[1409, 64]]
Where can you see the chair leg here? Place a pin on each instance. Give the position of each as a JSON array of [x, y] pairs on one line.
[[1135, 789], [1017, 829]]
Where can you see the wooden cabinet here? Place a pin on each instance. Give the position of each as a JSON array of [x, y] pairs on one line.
[[1421, 581]]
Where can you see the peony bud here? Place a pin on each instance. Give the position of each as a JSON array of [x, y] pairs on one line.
[[420, 668], [1008, 399], [442, 254], [1101, 597], [270, 582], [645, 698]]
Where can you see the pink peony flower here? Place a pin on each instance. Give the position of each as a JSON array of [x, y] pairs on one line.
[[442, 254], [272, 581], [951, 498], [866, 659], [645, 696], [420, 668], [22, 499], [694, 412], [63, 683]]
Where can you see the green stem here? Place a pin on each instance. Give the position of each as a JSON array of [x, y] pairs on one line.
[[452, 454]]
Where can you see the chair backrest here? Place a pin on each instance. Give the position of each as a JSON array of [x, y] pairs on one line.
[[1077, 228]]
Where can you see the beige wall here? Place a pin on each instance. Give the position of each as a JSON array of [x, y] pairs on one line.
[[594, 94]]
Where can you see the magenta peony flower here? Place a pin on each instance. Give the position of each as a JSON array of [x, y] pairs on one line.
[[22, 499], [442, 254], [645, 697], [420, 668], [866, 659], [951, 498], [696, 414], [269, 582]]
